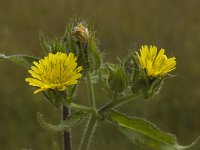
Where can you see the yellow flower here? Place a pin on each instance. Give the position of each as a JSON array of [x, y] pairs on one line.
[[155, 64], [81, 33], [55, 71]]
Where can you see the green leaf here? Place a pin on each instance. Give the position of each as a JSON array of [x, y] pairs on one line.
[[94, 53], [136, 66], [68, 37], [54, 45], [44, 43], [73, 120], [146, 134], [57, 45], [111, 67], [22, 60], [129, 67]]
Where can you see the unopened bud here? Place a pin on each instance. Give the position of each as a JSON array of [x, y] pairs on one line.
[[81, 33], [117, 80]]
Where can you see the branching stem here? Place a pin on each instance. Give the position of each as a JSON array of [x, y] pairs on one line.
[[117, 102], [88, 133], [91, 125]]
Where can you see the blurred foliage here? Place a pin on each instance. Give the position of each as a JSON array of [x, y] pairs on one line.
[[173, 25]]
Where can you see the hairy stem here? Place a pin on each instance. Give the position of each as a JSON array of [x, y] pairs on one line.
[[90, 91], [91, 125], [81, 108], [88, 133], [117, 102]]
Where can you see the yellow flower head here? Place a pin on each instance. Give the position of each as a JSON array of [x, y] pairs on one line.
[[81, 33], [55, 71], [155, 63]]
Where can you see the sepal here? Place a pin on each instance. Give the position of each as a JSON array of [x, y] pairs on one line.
[[56, 98], [154, 87]]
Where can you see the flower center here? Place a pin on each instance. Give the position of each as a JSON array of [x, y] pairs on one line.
[[56, 72]]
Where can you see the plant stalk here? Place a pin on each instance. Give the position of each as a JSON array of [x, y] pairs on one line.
[[91, 124], [117, 102], [75, 106], [88, 133], [90, 91], [66, 135]]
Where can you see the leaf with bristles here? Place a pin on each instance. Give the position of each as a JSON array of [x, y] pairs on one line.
[[146, 134], [21, 60], [73, 120]]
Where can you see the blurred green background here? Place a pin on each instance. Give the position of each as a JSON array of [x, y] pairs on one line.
[[121, 24]]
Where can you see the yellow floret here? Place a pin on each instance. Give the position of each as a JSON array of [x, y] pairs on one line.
[[55, 71], [155, 63]]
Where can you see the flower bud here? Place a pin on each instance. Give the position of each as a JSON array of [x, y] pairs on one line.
[[81, 33], [117, 80]]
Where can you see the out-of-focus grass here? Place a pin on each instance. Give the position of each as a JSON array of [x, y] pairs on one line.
[[173, 25]]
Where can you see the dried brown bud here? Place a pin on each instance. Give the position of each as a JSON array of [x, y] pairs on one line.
[[81, 33]]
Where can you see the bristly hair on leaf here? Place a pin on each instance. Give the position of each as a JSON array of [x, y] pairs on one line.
[[22, 60], [52, 45]]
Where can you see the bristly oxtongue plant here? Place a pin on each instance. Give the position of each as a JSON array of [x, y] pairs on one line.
[[75, 57]]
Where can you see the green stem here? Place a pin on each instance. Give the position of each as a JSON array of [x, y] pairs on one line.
[[81, 108], [117, 102], [91, 125], [90, 91], [88, 133]]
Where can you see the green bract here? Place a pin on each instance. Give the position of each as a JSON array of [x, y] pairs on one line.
[[117, 81]]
